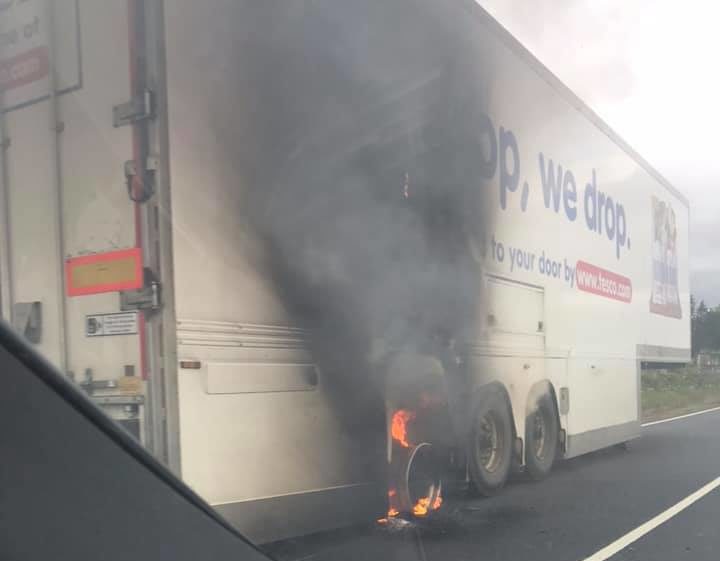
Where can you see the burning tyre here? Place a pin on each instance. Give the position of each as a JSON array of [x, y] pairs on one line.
[[415, 472], [416, 410]]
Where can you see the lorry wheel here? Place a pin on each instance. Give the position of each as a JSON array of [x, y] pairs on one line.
[[541, 438], [490, 446]]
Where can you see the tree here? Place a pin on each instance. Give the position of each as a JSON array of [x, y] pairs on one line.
[[693, 307], [704, 326]]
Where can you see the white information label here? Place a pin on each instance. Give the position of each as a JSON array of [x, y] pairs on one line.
[[102, 325]]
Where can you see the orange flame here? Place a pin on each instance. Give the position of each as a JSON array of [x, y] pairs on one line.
[[437, 503], [392, 513], [398, 426], [421, 507]]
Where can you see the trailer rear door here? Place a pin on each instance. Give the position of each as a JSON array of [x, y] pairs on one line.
[[77, 253]]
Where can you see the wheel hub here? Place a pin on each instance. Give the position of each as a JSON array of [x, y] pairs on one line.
[[539, 432], [489, 443]]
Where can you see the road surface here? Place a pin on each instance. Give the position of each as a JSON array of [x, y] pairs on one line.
[[589, 508]]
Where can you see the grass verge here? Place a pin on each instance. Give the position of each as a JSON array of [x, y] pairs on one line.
[[671, 393]]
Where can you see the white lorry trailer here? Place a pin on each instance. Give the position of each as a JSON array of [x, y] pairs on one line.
[[240, 224]]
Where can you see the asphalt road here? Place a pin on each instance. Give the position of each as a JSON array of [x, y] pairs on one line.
[[586, 504]]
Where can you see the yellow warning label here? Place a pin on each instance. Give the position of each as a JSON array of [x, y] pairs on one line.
[[101, 273]]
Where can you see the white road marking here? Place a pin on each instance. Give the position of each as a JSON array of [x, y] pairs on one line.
[[681, 417], [624, 541]]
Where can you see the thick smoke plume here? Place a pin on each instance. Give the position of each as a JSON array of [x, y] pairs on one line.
[[367, 177]]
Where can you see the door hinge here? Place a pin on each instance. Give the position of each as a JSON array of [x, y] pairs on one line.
[[137, 109], [147, 298]]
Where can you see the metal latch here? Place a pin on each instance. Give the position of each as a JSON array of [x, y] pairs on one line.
[[147, 182], [137, 109], [151, 164], [146, 298], [89, 384]]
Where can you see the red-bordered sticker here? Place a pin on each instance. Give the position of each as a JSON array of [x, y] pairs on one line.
[[25, 68], [104, 272], [590, 278]]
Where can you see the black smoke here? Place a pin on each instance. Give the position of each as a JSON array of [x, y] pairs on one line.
[[366, 179]]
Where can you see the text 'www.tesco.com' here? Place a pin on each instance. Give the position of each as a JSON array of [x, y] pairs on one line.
[[603, 283]]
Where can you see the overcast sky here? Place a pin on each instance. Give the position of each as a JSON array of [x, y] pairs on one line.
[[650, 70]]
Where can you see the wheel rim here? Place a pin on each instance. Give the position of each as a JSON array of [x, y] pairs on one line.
[[422, 478], [539, 432], [489, 442]]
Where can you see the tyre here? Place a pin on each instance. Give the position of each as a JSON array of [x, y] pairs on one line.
[[491, 443], [541, 438]]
